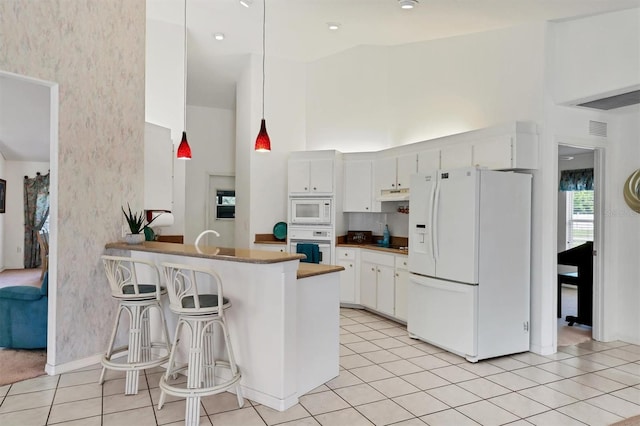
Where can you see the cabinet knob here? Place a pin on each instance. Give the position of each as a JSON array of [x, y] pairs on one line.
[[404, 263], [366, 208], [373, 269], [350, 265], [378, 270], [346, 254], [397, 275], [306, 189], [393, 185], [314, 188]]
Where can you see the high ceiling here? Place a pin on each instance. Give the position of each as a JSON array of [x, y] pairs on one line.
[[297, 29]]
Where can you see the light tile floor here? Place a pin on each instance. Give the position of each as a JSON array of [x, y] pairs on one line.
[[385, 378]]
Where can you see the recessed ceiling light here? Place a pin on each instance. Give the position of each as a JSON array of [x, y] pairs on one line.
[[219, 36], [246, 3], [566, 157], [333, 26], [408, 4]]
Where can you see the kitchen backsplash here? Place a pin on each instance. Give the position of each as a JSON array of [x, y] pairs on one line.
[[374, 222]]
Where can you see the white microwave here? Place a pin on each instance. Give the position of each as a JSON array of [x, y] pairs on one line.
[[311, 211]]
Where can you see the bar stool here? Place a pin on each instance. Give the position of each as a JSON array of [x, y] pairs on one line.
[[137, 300], [195, 294]]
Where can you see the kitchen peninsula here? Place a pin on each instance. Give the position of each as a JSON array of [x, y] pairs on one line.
[[284, 319]]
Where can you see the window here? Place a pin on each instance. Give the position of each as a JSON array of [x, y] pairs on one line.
[[579, 217], [225, 204]]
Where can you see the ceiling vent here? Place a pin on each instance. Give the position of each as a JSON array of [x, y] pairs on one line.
[[613, 102], [597, 128]]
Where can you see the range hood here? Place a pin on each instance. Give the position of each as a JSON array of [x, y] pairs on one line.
[[393, 195]]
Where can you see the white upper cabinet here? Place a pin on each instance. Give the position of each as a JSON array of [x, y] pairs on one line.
[[393, 172], [506, 152], [358, 177], [310, 177], [407, 166], [456, 156], [158, 168], [428, 161]]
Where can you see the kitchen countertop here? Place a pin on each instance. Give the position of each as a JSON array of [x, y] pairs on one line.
[[209, 252], [375, 247], [305, 270]]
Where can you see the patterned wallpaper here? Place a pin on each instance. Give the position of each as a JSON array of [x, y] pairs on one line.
[[95, 51]]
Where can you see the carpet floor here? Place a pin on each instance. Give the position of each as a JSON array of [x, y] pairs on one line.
[[21, 364], [11, 277]]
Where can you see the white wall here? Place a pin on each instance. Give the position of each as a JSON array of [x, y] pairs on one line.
[[263, 176], [371, 98], [164, 90], [13, 242], [212, 137], [622, 256], [594, 56]]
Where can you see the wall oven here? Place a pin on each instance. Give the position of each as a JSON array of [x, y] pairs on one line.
[[311, 211], [322, 237]]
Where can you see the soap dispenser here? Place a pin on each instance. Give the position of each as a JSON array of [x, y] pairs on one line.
[[385, 236]]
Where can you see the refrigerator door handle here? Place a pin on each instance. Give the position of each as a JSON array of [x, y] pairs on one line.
[[434, 219]]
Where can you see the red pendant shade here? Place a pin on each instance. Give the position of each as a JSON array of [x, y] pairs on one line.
[[184, 150], [263, 143]]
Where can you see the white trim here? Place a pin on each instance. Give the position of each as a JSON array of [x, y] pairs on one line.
[[599, 295], [77, 364]]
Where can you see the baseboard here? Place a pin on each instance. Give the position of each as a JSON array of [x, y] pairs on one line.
[[77, 364], [542, 350]]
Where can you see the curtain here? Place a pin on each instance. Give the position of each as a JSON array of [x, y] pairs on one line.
[[576, 180], [36, 212]]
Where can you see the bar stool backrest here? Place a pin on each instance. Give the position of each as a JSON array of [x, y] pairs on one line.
[[123, 278], [194, 290]]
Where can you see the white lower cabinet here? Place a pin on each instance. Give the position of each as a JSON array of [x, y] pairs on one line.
[[402, 284], [271, 247], [377, 281], [349, 278]]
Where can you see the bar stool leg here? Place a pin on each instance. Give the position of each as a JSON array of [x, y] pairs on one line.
[[232, 360], [111, 343], [194, 375], [170, 371], [134, 353]]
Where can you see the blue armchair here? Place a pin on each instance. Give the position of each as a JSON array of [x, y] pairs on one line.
[[23, 316]]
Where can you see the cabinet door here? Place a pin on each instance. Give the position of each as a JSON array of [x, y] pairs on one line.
[[368, 274], [402, 284], [347, 281], [495, 154], [321, 176], [299, 176], [386, 293], [385, 173], [407, 165], [357, 186], [456, 157], [428, 161]]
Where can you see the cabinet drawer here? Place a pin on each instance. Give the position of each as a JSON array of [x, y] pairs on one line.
[[402, 262], [345, 253], [378, 258]]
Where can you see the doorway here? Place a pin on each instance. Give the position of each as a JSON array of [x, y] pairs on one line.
[[578, 237], [221, 205]]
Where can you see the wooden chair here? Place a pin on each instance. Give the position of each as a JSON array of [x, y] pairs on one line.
[[43, 241]]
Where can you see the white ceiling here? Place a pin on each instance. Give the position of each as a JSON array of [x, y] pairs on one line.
[[297, 29]]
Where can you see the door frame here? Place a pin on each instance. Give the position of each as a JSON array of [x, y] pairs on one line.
[[599, 151]]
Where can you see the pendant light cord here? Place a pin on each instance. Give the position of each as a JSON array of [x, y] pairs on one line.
[[185, 66], [264, 23]]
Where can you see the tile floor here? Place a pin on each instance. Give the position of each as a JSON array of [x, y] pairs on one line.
[[385, 378]]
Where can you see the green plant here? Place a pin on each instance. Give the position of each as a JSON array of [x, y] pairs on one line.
[[135, 220]]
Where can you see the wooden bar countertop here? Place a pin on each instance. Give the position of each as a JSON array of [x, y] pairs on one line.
[[305, 270]]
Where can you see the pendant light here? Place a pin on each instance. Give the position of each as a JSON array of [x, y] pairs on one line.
[[263, 143], [184, 150]]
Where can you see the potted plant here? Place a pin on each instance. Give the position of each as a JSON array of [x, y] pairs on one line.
[[136, 226]]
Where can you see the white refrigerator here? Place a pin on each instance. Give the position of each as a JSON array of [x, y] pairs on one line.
[[469, 261]]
